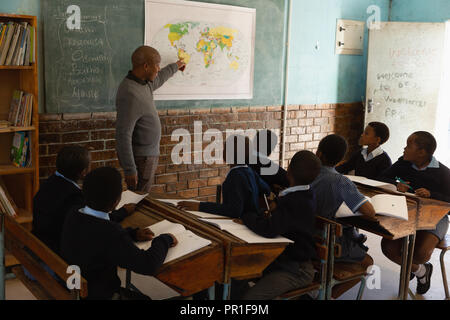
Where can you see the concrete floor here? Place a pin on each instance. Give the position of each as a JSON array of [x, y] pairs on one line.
[[388, 288]]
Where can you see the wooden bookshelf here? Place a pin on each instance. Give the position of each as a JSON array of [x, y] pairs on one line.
[[21, 183]]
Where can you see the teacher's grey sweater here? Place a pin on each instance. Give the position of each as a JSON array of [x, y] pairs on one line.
[[138, 128]]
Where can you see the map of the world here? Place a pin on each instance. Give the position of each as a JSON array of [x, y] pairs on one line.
[[215, 54]]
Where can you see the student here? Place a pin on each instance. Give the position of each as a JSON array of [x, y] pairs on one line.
[[98, 246], [427, 178], [332, 189], [60, 192], [265, 142], [370, 161], [293, 218], [242, 187]]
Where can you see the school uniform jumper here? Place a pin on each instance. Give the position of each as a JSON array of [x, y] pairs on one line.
[[98, 246], [241, 190], [370, 165], [435, 178], [294, 219]]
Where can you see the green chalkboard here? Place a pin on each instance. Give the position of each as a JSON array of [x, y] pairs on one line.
[[83, 68]]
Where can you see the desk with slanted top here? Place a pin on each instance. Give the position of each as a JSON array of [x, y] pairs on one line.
[[182, 274], [423, 214], [242, 260]]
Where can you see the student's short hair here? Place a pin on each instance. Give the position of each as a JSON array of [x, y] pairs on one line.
[[238, 149], [304, 167], [381, 131], [425, 140], [333, 148], [72, 160], [102, 187], [265, 141]]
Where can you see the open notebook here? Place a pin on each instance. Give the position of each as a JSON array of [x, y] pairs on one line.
[[174, 202], [187, 240], [242, 232], [372, 183], [130, 197], [384, 204]]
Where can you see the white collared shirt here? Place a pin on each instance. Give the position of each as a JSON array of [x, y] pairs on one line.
[[375, 153], [61, 176], [293, 189], [95, 213], [433, 164], [240, 166]]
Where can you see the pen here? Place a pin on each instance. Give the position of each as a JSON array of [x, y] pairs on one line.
[[267, 203], [403, 182]]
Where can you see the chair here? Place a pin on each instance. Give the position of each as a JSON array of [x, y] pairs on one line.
[[341, 272], [444, 245], [321, 265], [30, 252]]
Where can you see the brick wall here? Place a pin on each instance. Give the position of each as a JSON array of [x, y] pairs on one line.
[[306, 125]]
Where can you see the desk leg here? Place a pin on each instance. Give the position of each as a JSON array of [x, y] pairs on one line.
[[401, 289], [2, 256], [226, 291], [212, 292], [128, 279], [411, 245]]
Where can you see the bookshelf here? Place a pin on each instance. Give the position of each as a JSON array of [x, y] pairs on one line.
[[21, 183]]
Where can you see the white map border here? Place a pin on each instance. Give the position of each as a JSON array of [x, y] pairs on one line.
[[241, 90]]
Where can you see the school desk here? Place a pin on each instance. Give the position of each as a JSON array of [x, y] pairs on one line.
[[423, 214], [242, 260], [182, 274]]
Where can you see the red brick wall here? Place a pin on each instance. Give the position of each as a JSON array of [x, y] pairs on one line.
[[306, 125]]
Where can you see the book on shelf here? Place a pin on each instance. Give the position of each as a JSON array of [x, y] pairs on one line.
[[17, 43], [7, 204], [187, 240], [21, 109], [20, 150]]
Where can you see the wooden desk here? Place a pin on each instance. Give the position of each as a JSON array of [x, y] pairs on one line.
[[182, 274], [242, 260], [423, 214]]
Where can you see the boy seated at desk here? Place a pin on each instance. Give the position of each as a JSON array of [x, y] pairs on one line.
[[242, 186], [98, 245], [292, 218], [59, 193], [370, 161], [265, 142], [423, 175], [332, 189]]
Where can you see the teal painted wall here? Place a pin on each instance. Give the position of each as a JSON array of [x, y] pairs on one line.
[[421, 11], [319, 75], [33, 8]]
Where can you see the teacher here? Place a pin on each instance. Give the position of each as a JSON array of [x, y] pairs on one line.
[[138, 128]]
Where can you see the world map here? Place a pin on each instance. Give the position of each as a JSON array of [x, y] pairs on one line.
[[215, 54]]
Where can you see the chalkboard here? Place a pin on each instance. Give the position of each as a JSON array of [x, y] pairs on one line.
[[404, 82], [83, 68]]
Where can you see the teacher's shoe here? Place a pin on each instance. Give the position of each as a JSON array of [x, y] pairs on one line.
[[422, 288]]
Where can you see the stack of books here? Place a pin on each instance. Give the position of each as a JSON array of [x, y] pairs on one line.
[[21, 110], [7, 204], [21, 156], [17, 44]]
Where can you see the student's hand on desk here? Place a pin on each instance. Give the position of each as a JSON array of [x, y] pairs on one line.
[[424, 193], [130, 208], [189, 205], [401, 187], [175, 241], [144, 234], [131, 182]]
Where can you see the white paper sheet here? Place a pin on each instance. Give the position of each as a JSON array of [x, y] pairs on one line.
[[130, 197]]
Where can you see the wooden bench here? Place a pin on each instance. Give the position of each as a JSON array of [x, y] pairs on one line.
[[31, 253]]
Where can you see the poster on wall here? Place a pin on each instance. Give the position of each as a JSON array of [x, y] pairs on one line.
[[217, 43]]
